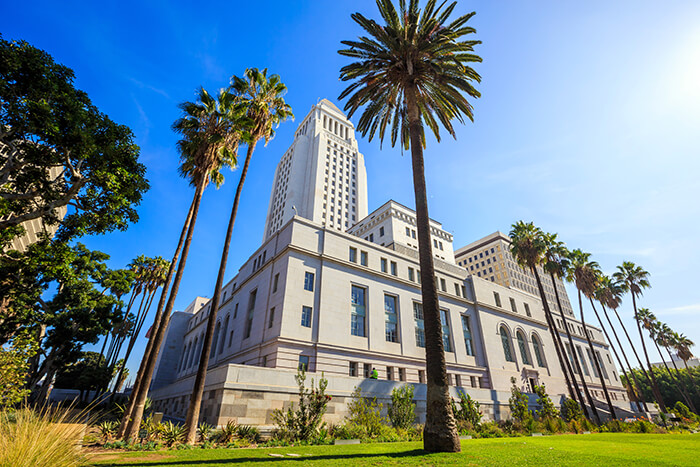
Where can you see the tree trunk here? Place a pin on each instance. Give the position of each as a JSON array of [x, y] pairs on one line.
[[440, 432], [566, 366], [594, 357], [574, 356], [655, 387], [192, 419], [680, 378], [158, 333]]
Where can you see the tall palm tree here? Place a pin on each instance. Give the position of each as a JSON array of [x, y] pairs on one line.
[[610, 293], [555, 263], [664, 338], [260, 103], [529, 247], [208, 144], [633, 279], [682, 344], [410, 71], [584, 274]]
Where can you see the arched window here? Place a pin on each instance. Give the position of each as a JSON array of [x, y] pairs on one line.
[[215, 342], [185, 354], [522, 345], [223, 335], [505, 340], [194, 351], [538, 351]]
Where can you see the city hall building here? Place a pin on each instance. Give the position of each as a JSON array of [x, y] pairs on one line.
[[336, 290]]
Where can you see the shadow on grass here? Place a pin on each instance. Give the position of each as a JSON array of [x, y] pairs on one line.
[[301, 458]]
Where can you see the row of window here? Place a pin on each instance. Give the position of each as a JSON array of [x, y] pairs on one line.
[[513, 305], [523, 347]]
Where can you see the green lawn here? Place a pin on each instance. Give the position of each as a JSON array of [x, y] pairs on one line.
[[595, 449]]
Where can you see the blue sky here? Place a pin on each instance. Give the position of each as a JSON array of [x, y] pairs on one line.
[[588, 124]]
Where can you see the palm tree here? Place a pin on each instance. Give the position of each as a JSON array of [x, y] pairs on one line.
[[682, 344], [555, 263], [610, 293], [411, 70], [584, 274], [207, 145], [633, 279], [665, 338], [264, 108], [529, 248]]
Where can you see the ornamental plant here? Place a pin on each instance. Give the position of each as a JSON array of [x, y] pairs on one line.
[[304, 422], [547, 408], [402, 412], [518, 403], [468, 410]]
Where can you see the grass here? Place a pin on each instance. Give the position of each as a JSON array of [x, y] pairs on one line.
[[595, 449]]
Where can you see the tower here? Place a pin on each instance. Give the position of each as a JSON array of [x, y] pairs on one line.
[[322, 176]]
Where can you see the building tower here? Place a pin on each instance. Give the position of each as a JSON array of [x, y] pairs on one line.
[[322, 175]]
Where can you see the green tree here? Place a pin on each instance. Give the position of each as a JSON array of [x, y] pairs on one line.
[[402, 413], [257, 108], [518, 403], [415, 70], [58, 150], [209, 143], [682, 344], [547, 408], [14, 369], [634, 279]]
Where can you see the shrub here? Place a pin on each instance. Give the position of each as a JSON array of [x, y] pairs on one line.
[[683, 411], [205, 432], [171, 433], [108, 429], [491, 430], [14, 369], [571, 410], [402, 412], [365, 413], [303, 423], [547, 409], [43, 437], [518, 403], [227, 433], [248, 433], [468, 411]]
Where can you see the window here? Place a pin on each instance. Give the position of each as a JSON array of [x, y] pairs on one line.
[[371, 237], [272, 317], [306, 316], [443, 285], [513, 305], [413, 233], [593, 365], [522, 345], [602, 367], [391, 319], [505, 341], [538, 351], [381, 231], [357, 316], [458, 380], [402, 374], [383, 264], [466, 329], [420, 324], [464, 291], [408, 232], [367, 370], [421, 376], [363, 258], [497, 298], [303, 363], [264, 360], [571, 358], [445, 321], [309, 281], [353, 369], [249, 317], [230, 338], [235, 311], [456, 289], [353, 255], [472, 381], [582, 361], [411, 276], [390, 373], [275, 281], [527, 309], [223, 335], [440, 245], [393, 268]]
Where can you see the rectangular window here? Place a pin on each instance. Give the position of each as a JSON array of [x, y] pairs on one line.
[[472, 381], [408, 232], [353, 369], [367, 370], [497, 298], [230, 338], [413, 233], [249, 317], [303, 363], [391, 319], [593, 365], [402, 374], [602, 367], [235, 311], [390, 373], [467, 330], [457, 289], [272, 317], [264, 360], [443, 285], [421, 376], [458, 380], [445, 321], [363, 258], [527, 309], [449, 379], [357, 316], [306, 316], [394, 271], [371, 237], [309, 281], [411, 276], [420, 324], [464, 291], [383, 264], [381, 231], [275, 281], [513, 306], [353, 255], [582, 361]]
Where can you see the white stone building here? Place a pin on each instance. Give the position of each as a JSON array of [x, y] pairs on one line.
[[340, 301]]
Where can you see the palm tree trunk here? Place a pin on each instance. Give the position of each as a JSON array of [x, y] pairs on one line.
[[636, 392], [595, 359], [440, 432], [132, 427], [574, 356], [580, 399], [680, 378], [192, 418], [655, 387]]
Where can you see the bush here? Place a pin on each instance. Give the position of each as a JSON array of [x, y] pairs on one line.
[[303, 423], [571, 410], [108, 430], [365, 414], [44, 437], [518, 403], [171, 433], [683, 411], [547, 409], [468, 411], [248, 433], [402, 412], [205, 432], [491, 430], [227, 433]]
